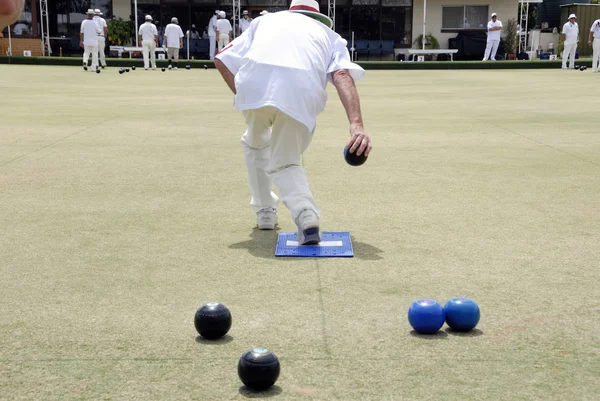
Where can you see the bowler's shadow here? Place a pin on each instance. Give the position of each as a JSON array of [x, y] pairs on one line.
[[440, 335], [270, 392], [261, 244], [364, 251], [470, 333], [223, 340]]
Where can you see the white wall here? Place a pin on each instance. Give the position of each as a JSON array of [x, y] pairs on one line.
[[506, 9], [122, 8]]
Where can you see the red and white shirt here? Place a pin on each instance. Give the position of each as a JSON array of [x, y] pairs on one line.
[[285, 60]]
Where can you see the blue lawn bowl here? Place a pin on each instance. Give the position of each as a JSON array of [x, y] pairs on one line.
[[462, 314], [426, 316]]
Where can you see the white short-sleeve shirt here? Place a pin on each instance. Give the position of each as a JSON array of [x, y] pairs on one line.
[[148, 31], [494, 35], [223, 26], [571, 32], [173, 33], [101, 22], [211, 26], [596, 29], [285, 60], [244, 24], [89, 28]]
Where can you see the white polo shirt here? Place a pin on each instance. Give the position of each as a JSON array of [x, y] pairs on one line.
[[211, 26], [223, 26], [494, 35], [244, 24], [148, 31], [173, 33], [101, 22], [89, 28], [285, 60], [596, 29]]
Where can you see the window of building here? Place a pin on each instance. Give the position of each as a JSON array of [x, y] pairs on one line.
[[464, 17]]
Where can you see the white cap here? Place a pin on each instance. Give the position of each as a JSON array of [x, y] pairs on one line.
[[222, 14], [263, 12], [148, 18], [494, 15], [97, 11], [245, 12], [90, 12], [572, 16], [217, 12], [174, 20]]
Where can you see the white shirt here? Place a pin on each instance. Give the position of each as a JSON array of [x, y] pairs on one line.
[[571, 32], [173, 33], [244, 24], [89, 28], [148, 31], [596, 29], [211, 26], [101, 22], [494, 35], [285, 60], [223, 26]]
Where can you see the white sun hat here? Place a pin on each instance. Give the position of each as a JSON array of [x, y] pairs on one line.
[[310, 8], [572, 16]]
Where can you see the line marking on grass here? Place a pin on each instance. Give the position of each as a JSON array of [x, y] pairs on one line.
[[57, 141], [550, 146], [322, 307]]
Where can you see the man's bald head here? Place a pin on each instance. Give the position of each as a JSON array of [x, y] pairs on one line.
[[9, 11]]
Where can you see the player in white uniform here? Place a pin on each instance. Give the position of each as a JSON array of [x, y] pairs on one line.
[[244, 22], [278, 70], [10, 10], [224, 30], [494, 28], [174, 41], [102, 34], [570, 36], [212, 34], [148, 40], [595, 34], [88, 39]]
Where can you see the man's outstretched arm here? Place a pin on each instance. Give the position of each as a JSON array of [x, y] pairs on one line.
[[359, 139], [226, 74]]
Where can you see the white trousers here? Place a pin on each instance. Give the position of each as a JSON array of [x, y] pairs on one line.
[[596, 55], [223, 40], [101, 44], [491, 49], [273, 146], [569, 53], [93, 50], [213, 46], [149, 52]]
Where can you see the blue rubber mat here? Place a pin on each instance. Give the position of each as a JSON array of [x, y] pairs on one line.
[[332, 245]]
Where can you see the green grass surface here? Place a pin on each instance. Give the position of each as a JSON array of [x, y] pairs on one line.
[[124, 208]]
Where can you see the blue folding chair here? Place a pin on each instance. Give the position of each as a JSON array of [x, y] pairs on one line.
[[374, 48], [387, 47], [361, 47]]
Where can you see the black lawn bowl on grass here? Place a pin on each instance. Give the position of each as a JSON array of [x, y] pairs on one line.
[[258, 369], [213, 320]]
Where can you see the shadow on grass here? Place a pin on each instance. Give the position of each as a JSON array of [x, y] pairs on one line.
[[471, 333], [261, 244], [223, 340], [364, 251], [440, 335], [271, 392]]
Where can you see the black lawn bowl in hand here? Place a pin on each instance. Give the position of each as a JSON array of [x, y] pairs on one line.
[[354, 160], [213, 320], [258, 369]]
